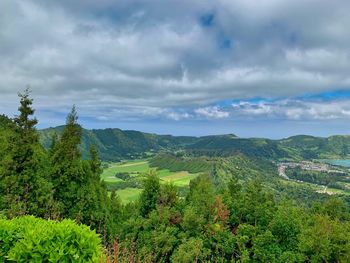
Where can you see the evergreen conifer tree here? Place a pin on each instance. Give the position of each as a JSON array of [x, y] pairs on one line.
[[67, 167], [77, 185], [151, 193], [26, 189]]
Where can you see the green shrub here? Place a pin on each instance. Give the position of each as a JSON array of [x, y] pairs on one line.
[[30, 239]]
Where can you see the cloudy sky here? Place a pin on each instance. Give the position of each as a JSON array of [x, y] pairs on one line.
[[269, 68]]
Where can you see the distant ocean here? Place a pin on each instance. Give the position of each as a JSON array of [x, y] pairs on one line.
[[344, 163]]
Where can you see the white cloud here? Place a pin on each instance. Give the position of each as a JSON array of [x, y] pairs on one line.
[[212, 112], [294, 109], [149, 59], [178, 116]]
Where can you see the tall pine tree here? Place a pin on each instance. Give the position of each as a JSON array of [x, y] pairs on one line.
[[67, 167], [26, 189], [150, 194], [77, 185]]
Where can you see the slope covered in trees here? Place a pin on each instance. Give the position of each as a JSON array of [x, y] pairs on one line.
[[309, 147], [220, 169], [115, 144]]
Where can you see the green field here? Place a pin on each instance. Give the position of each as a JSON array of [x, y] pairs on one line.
[[137, 168], [129, 194]]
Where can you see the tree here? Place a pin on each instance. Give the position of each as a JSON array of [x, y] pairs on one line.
[[202, 196], [95, 163], [335, 208], [5, 121], [151, 193], [325, 240], [77, 184], [286, 226], [98, 210], [26, 189], [232, 197], [6, 132], [53, 145], [234, 187], [257, 206], [116, 206], [265, 248], [190, 251], [168, 195], [68, 175]]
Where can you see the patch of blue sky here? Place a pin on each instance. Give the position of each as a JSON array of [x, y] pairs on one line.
[[327, 96], [324, 96], [256, 100], [224, 43], [207, 20]]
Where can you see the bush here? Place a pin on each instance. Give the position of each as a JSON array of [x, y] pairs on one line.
[[123, 176], [30, 239]]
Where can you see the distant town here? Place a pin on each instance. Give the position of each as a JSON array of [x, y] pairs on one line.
[[307, 165]]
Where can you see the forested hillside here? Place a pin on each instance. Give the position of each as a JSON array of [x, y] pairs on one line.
[[309, 147], [227, 145], [220, 169], [115, 144]]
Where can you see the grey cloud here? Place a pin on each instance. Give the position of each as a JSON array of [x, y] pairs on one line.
[[212, 112], [156, 58], [293, 109]]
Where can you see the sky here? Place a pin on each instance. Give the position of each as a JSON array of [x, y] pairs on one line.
[[268, 68]]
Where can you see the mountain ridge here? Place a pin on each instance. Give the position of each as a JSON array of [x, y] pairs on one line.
[[115, 144]]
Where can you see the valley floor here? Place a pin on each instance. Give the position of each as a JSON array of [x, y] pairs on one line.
[[136, 170], [129, 187]]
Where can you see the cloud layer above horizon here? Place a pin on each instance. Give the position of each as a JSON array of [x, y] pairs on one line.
[[179, 63]]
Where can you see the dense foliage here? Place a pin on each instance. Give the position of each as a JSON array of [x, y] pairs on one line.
[[23, 175], [55, 183], [238, 223], [30, 239]]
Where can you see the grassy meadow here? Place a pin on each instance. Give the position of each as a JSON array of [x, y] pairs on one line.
[[137, 168]]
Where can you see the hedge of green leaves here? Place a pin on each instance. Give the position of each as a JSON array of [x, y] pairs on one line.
[[30, 239]]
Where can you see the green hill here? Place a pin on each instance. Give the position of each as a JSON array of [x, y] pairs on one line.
[[309, 147], [116, 144], [220, 169], [226, 145]]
